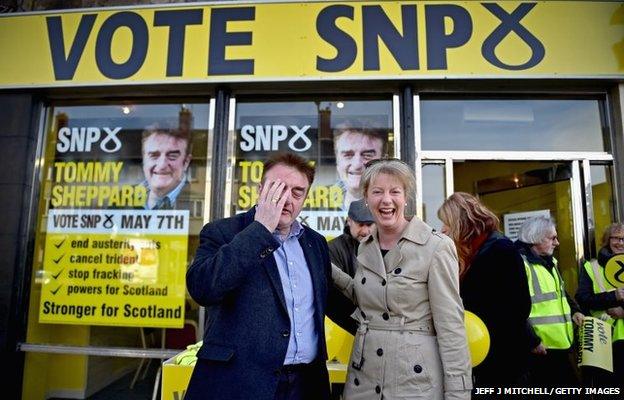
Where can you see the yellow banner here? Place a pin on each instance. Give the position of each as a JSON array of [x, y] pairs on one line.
[[313, 41], [115, 267], [595, 344]]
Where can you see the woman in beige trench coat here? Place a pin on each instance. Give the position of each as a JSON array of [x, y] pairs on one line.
[[411, 340]]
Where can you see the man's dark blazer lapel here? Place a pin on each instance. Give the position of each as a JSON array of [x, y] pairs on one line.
[[315, 266], [270, 265]]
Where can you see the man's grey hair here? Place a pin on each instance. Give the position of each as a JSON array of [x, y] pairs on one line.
[[535, 229]]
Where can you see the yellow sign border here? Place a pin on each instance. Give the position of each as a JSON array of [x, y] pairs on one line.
[[313, 41]]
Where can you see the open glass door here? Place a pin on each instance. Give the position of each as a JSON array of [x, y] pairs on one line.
[[517, 190]]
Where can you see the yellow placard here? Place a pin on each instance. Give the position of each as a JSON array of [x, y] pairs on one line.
[[595, 344], [115, 267], [313, 41], [175, 379], [614, 271]]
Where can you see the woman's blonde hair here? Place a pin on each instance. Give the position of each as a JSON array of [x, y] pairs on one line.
[[466, 218]]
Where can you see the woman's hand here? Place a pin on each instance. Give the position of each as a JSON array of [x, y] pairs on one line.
[[539, 350], [616, 312], [578, 318]]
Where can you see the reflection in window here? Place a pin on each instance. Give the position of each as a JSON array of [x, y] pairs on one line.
[[512, 125], [339, 136], [433, 187], [120, 210], [602, 196]]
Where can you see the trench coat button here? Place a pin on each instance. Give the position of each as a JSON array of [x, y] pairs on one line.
[[363, 280], [363, 314], [356, 382], [286, 333], [377, 389], [380, 352], [383, 282], [417, 369], [385, 316], [397, 271]]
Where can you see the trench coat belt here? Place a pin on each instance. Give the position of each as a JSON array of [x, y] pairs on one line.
[[393, 323]]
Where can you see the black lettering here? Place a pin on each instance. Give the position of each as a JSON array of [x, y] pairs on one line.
[[345, 45], [619, 273], [511, 23], [107, 66], [437, 39], [177, 20], [65, 67], [220, 38], [404, 48]]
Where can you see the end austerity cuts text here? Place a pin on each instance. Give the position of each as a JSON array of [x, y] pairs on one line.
[[115, 267]]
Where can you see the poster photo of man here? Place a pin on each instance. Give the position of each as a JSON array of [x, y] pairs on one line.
[[166, 156], [337, 137], [355, 144]]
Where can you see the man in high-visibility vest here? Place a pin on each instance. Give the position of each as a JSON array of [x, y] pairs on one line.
[[552, 309], [605, 301]]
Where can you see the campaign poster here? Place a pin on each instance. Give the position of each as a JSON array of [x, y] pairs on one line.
[[120, 199], [337, 137]]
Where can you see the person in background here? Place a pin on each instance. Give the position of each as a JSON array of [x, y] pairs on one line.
[[343, 249], [265, 280], [166, 158], [553, 311], [411, 341], [603, 300], [493, 286], [355, 144]]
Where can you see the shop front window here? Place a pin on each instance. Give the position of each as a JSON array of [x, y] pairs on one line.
[[122, 202], [603, 202], [337, 136], [512, 125], [434, 186]]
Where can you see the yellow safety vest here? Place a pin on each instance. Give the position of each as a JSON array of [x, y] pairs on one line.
[[550, 312], [601, 285]]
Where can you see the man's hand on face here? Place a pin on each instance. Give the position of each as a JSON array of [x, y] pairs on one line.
[[270, 204]]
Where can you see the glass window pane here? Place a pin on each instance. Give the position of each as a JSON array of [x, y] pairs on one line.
[[338, 136], [602, 196], [517, 190], [433, 187], [512, 125], [120, 210]]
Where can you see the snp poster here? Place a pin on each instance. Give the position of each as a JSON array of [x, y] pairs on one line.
[[337, 136], [120, 198]]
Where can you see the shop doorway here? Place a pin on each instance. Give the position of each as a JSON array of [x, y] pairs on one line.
[[516, 191]]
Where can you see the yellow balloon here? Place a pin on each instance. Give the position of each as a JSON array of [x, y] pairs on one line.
[[339, 342], [478, 338]]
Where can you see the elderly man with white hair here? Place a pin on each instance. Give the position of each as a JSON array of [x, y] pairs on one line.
[[552, 309]]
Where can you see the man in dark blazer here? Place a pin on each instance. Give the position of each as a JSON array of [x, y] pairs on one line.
[[266, 280]]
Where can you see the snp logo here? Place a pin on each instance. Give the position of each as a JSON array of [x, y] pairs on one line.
[[81, 139], [268, 137]]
